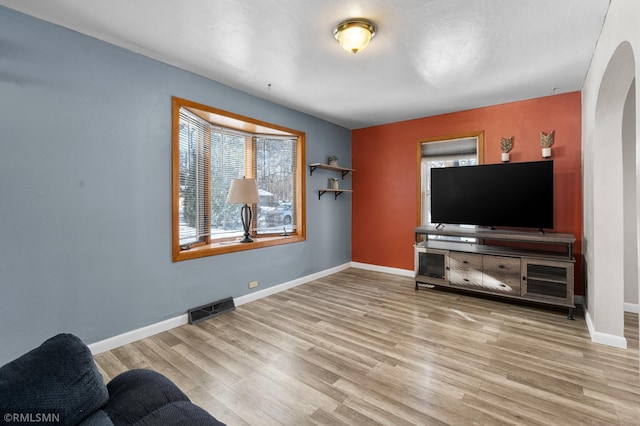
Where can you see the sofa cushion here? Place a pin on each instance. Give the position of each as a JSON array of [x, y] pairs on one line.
[[144, 396], [99, 418], [179, 413], [59, 376], [135, 393]]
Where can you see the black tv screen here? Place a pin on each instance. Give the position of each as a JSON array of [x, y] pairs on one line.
[[509, 194]]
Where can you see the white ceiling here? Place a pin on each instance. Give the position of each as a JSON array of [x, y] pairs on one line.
[[428, 57]]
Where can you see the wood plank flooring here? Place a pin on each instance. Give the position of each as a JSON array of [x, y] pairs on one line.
[[364, 348]]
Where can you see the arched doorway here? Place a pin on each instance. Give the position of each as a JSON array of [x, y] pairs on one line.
[[614, 197], [630, 201]]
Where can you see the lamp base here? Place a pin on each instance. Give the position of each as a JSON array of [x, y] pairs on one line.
[[245, 216]]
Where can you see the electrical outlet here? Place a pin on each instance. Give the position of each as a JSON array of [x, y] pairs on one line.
[[253, 284]]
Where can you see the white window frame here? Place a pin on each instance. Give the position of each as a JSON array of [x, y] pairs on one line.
[[449, 151]]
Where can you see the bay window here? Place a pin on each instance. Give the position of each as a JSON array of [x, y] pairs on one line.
[[212, 147]]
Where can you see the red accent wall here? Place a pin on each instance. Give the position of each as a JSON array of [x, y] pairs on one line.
[[385, 160]]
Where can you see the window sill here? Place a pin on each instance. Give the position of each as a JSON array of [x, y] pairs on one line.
[[223, 247]]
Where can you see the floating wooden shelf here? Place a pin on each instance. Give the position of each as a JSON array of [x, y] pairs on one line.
[[336, 192], [343, 170]]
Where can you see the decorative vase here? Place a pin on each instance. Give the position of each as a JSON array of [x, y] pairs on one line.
[[333, 163], [333, 183]]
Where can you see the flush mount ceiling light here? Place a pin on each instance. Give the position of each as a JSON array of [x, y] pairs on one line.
[[354, 34]]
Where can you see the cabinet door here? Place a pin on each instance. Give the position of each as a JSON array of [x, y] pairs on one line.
[[548, 281], [431, 266], [465, 270], [501, 274]]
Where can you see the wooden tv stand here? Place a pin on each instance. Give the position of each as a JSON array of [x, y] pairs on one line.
[[529, 266]]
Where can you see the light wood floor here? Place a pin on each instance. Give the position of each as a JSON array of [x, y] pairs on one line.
[[364, 348]]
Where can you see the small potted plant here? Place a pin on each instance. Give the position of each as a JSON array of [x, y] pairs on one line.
[[505, 145], [546, 141], [333, 161]]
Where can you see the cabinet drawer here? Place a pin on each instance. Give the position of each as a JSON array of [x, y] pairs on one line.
[[465, 269], [501, 274]]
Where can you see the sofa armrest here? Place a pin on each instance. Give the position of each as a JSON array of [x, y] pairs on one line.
[[59, 376]]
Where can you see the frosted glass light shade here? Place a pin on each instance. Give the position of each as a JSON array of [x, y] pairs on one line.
[[243, 191], [354, 35]]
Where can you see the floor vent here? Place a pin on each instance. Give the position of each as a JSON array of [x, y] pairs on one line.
[[211, 310]]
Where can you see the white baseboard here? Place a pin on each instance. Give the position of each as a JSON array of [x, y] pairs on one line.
[[634, 308], [604, 338], [140, 333], [150, 330], [385, 269], [285, 286]]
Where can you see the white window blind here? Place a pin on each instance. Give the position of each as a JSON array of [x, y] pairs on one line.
[[453, 148], [229, 151], [193, 178]]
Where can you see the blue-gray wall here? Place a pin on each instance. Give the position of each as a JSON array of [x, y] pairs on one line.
[[85, 191]]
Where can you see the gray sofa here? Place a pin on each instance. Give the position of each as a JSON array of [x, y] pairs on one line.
[[58, 381]]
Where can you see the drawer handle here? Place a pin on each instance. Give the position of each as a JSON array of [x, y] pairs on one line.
[[524, 278], [465, 280], [501, 266], [465, 262]]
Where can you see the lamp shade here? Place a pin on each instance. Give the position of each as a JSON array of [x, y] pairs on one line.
[[354, 35], [243, 191]]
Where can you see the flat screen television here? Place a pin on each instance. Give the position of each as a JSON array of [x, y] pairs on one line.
[[510, 195]]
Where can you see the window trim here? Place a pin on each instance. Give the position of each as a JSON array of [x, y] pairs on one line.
[[233, 121]]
